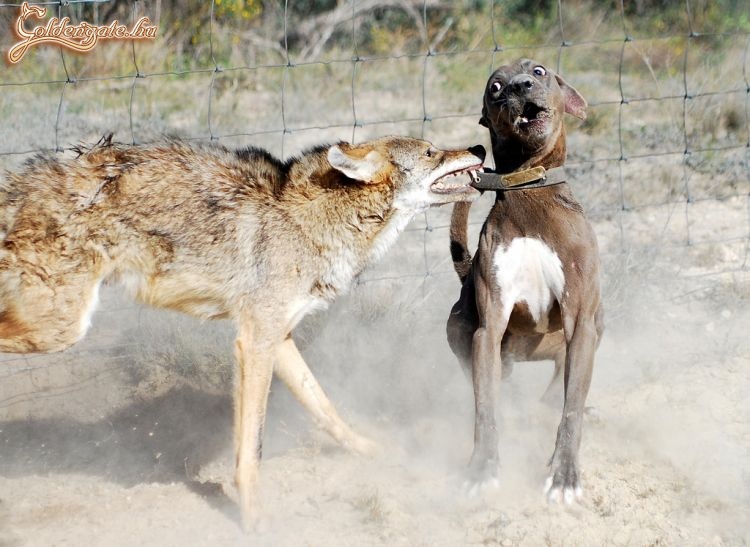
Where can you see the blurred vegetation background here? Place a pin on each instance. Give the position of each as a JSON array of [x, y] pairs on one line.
[[666, 81], [238, 32]]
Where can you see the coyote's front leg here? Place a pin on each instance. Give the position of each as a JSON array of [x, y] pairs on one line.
[[293, 371], [255, 355]]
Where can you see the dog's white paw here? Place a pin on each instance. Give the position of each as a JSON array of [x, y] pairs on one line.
[[567, 495], [473, 488], [481, 476]]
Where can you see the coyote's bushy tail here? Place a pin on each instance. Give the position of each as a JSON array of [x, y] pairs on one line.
[[7, 209], [460, 239]]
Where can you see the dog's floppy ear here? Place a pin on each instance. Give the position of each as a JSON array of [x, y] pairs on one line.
[[483, 120], [574, 103], [362, 163]]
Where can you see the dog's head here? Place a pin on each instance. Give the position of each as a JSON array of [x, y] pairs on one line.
[[419, 174], [525, 102]]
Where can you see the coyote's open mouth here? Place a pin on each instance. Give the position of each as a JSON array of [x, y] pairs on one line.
[[458, 181]]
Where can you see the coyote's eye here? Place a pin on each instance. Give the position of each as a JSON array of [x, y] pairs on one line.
[[539, 71], [431, 151]]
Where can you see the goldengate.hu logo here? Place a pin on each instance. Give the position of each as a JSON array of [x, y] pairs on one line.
[[81, 37]]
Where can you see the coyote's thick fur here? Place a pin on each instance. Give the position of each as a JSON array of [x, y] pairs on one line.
[[216, 234]]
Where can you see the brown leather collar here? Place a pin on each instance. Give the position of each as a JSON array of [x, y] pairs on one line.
[[535, 177]]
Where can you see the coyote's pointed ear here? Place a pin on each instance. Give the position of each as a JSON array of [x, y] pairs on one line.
[[362, 163], [574, 103]]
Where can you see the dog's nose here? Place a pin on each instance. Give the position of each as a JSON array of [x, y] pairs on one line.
[[478, 151], [522, 82]]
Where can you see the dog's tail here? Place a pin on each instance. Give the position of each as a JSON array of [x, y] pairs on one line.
[[459, 235]]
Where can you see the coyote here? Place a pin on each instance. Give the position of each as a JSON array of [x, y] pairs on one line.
[[214, 233]]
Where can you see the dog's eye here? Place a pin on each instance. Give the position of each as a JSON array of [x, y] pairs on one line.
[[539, 71], [431, 151], [496, 87]]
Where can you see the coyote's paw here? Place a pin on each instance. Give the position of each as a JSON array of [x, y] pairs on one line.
[[361, 445]]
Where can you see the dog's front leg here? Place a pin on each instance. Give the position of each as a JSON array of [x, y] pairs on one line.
[[293, 371], [254, 354], [564, 482], [486, 373]]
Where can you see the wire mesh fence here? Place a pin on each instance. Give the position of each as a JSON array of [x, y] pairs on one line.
[[662, 164]]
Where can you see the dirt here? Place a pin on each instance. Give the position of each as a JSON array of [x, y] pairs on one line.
[[132, 447]]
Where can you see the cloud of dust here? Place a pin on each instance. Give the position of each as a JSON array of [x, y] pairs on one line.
[[669, 436]]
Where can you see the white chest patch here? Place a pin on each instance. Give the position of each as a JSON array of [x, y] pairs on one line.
[[529, 271], [301, 307], [390, 232]]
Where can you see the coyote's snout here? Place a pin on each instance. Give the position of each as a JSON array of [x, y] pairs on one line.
[[216, 234]]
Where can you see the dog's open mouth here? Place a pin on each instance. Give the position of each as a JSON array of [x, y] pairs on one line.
[[531, 114], [458, 181]]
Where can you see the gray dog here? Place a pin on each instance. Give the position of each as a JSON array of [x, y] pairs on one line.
[[531, 290]]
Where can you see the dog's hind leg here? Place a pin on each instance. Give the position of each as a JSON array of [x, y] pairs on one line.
[[294, 372], [254, 353], [460, 334], [552, 346], [462, 322], [551, 395]]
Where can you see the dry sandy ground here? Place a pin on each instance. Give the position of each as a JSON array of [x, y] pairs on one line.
[[108, 448]]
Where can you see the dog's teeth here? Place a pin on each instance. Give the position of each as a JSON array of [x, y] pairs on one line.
[[524, 119], [439, 185]]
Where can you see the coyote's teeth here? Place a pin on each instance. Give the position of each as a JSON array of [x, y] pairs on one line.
[[439, 185]]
